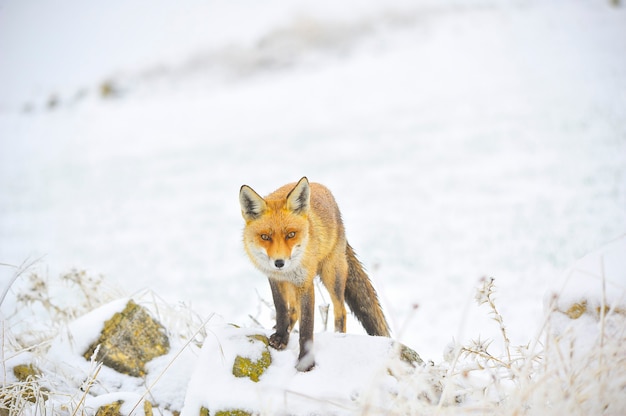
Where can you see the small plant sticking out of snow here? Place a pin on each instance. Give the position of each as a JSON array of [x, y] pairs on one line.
[[577, 366], [484, 295]]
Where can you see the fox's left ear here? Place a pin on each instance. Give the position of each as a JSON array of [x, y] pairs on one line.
[[299, 198]]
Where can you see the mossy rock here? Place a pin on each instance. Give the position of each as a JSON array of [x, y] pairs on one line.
[[24, 393], [24, 372], [109, 89], [577, 309], [27, 389], [233, 412], [246, 367], [129, 340], [114, 409], [147, 408], [410, 356]]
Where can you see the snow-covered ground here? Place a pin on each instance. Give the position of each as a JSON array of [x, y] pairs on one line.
[[461, 140]]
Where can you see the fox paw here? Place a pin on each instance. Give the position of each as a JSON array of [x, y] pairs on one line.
[[278, 341], [306, 363]]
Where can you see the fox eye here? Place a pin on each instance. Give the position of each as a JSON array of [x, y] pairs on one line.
[[265, 237], [291, 234]]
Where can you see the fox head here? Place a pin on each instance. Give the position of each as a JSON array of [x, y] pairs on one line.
[[277, 227]]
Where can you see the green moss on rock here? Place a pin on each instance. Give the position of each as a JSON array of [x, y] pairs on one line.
[[129, 340], [577, 310], [410, 356], [233, 412], [112, 409], [147, 408], [27, 389], [246, 367], [23, 372]]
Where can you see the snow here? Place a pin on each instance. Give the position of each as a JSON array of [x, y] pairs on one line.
[[460, 139], [598, 276], [348, 367], [595, 283]]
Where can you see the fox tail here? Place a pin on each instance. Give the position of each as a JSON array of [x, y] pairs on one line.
[[362, 299]]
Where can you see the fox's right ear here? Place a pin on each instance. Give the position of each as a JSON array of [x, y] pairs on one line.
[[252, 205]]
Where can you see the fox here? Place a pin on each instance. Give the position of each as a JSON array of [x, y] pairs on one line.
[[293, 235]]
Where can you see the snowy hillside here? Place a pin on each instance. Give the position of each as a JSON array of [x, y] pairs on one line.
[[461, 139]]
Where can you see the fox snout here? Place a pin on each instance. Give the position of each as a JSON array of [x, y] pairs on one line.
[[284, 262], [281, 258], [280, 263]]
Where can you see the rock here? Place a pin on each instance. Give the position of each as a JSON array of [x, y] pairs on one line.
[[129, 340], [576, 310], [205, 412], [27, 389], [115, 409], [109, 89], [147, 408], [253, 369], [410, 356], [112, 409], [23, 372]]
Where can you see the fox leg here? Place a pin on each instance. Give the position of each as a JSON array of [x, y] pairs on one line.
[[333, 275], [280, 338], [339, 305], [306, 294], [294, 312]]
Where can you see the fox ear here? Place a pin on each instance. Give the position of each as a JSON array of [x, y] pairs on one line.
[[299, 198], [252, 205]]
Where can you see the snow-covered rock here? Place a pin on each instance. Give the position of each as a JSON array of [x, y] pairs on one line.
[[129, 340], [352, 372]]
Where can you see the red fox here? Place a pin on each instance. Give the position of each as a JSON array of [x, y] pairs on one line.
[[292, 235]]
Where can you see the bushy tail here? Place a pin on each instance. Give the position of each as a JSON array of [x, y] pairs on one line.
[[362, 298]]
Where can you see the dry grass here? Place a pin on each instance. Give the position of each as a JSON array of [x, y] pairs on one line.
[[567, 370]]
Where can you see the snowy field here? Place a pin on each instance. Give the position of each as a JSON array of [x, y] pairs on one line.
[[461, 140]]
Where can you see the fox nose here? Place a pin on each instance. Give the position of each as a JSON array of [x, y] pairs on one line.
[[280, 263]]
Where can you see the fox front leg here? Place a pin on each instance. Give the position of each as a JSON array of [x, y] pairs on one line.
[[280, 338], [306, 359]]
